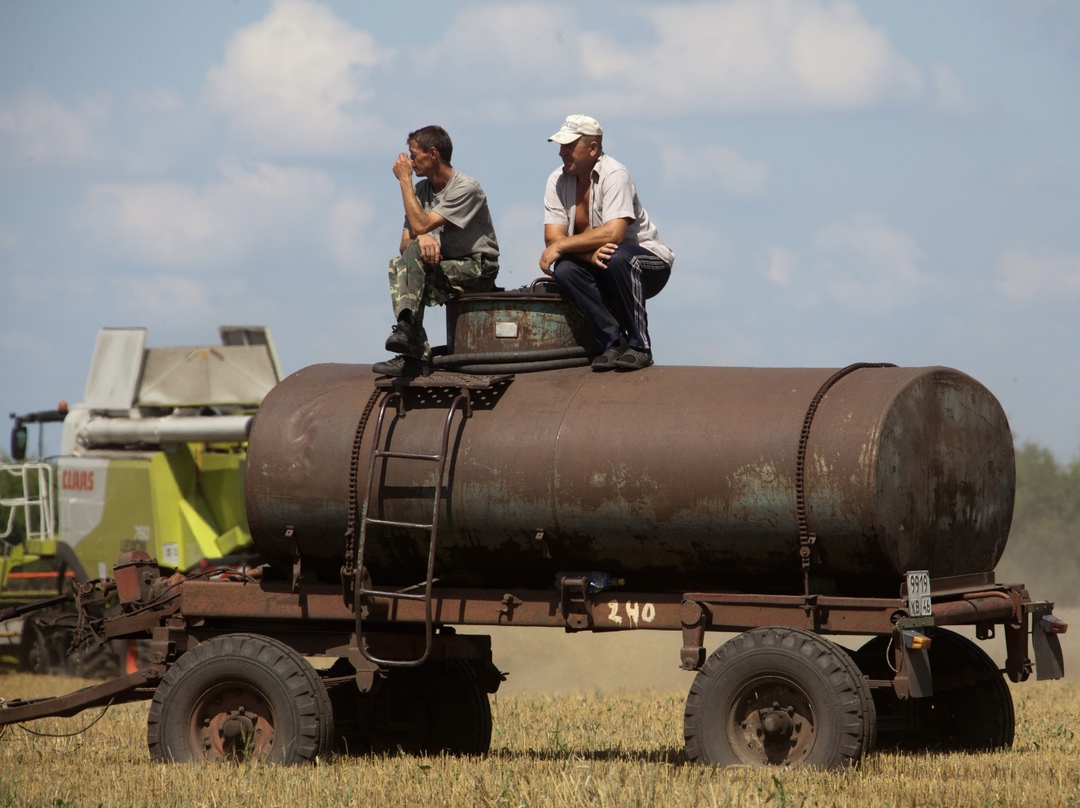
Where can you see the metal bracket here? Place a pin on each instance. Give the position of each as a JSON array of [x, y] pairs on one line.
[[509, 603], [539, 538], [297, 563], [1017, 663], [694, 618], [573, 602], [368, 674]]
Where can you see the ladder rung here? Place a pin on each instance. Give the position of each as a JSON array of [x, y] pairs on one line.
[[408, 455], [398, 595], [392, 523]]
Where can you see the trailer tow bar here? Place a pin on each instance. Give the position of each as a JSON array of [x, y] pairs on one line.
[[118, 691]]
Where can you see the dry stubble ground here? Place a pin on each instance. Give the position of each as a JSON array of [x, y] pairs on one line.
[[606, 749]]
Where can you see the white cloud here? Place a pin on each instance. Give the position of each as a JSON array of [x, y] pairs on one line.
[[508, 52], [861, 263], [250, 211], [38, 130], [164, 297], [740, 56], [1039, 276], [165, 129], [946, 90], [782, 265], [349, 235], [166, 300], [752, 56], [297, 82], [719, 166]]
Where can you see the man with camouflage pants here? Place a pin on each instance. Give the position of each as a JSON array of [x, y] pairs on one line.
[[448, 246]]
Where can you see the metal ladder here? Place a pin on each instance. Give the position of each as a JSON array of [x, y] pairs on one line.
[[39, 504], [439, 458]]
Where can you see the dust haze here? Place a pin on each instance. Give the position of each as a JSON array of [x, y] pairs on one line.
[[549, 661]]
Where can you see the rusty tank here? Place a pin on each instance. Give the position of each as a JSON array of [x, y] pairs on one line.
[[673, 478]]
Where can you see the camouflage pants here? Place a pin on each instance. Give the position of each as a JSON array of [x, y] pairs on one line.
[[415, 285]]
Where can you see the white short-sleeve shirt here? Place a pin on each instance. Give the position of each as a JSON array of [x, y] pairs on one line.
[[613, 196]]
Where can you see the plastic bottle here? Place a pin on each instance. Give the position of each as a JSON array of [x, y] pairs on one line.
[[599, 581], [594, 581]]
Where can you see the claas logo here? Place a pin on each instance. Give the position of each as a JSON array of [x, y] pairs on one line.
[[76, 480]]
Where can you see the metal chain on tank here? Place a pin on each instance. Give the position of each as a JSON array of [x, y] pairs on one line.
[[806, 538], [348, 571]]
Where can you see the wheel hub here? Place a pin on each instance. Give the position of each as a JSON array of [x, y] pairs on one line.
[[771, 724], [234, 724], [777, 724]]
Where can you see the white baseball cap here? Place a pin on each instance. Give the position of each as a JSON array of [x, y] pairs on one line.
[[574, 127]]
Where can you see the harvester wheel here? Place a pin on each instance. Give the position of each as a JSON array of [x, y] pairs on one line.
[[240, 697], [779, 697], [38, 653], [971, 708], [94, 661]]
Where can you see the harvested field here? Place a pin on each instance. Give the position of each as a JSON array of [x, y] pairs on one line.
[[596, 748]]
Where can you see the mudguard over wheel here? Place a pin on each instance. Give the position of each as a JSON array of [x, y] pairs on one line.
[[779, 697], [240, 697], [971, 708]]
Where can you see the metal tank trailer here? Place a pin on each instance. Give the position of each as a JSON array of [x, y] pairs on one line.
[[514, 487]]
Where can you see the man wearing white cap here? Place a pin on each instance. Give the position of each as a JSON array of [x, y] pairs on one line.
[[602, 249]]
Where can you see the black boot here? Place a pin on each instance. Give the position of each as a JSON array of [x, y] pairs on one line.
[[403, 337]]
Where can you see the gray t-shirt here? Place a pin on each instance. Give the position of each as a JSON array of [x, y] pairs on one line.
[[468, 229]]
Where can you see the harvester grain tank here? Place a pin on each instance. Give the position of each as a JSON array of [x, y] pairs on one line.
[[514, 487]]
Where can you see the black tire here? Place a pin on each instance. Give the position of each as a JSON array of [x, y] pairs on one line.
[[457, 719], [93, 661], [240, 697], [971, 709], [439, 708], [779, 697], [866, 696], [46, 650], [38, 653]]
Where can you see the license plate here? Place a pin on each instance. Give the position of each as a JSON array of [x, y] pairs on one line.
[[918, 592]]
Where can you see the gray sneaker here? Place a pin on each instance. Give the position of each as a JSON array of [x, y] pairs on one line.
[[633, 359], [403, 366], [606, 360]]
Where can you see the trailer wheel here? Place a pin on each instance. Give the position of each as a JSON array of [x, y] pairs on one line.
[[971, 709], [441, 707], [240, 697], [779, 697]]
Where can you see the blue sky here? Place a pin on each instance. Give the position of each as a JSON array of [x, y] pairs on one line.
[[840, 181]]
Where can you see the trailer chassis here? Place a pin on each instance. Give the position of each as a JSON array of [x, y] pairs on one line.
[[892, 680]]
